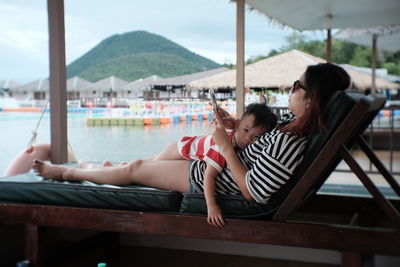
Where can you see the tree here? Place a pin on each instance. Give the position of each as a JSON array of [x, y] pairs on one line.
[[343, 52]]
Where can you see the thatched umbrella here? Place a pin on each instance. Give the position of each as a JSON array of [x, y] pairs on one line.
[[279, 71], [389, 40]]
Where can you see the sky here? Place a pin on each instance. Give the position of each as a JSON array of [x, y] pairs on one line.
[[206, 27]]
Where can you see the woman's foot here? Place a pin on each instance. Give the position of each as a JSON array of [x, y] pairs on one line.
[[48, 171]]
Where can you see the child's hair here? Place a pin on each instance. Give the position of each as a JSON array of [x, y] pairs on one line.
[[263, 116]]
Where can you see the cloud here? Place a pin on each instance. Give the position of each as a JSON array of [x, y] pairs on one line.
[[23, 39], [206, 27]]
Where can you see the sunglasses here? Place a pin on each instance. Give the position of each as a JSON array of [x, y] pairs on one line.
[[296, 85]]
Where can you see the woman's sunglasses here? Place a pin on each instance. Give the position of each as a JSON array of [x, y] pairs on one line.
[[296, 85]]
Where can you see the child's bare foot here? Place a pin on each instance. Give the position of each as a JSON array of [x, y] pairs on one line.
[[48, 171], [86, 165]]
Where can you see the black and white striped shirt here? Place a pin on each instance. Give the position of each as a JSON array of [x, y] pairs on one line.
[[270, 161]]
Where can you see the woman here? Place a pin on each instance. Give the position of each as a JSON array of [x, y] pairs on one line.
[[256, 173]]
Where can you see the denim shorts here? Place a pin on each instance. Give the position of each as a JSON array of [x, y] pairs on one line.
[[192, 188]]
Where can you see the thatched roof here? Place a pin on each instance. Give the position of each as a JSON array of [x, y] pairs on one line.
[[363, 80], [388, 37], [185, 79], [279, 72], [111, 82]]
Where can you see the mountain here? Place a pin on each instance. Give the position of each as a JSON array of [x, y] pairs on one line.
[[135, 55]]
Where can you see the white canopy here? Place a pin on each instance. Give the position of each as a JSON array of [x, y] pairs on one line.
[[330, 14]]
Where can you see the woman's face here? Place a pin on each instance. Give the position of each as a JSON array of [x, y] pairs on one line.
[[297, 101]]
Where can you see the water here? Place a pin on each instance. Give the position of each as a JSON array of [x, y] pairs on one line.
[[92, 143]]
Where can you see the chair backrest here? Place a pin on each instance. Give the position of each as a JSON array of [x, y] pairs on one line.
[[347, 115]]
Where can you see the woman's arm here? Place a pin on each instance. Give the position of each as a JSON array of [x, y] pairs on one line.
[[239, 171], [214, 212]]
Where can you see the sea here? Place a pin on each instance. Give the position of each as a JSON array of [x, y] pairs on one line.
[[92, 143]]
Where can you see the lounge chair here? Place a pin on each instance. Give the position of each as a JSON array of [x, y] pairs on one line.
[[300, 214]]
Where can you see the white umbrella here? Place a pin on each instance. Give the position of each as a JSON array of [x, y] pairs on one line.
[[306, 15], [389, 40], [388, 37]]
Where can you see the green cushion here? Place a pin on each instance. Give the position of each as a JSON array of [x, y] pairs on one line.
[[29, 188], [231, 206]]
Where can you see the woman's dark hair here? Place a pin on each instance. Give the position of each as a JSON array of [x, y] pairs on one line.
[[263, 116], [322, 81]]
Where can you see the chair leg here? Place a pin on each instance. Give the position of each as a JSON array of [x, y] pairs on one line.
[[353, 259], [34, 244]]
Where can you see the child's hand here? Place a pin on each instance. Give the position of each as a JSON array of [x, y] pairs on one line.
[[215, 217]]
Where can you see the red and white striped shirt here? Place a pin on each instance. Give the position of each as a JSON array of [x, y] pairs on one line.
[[203, 148]]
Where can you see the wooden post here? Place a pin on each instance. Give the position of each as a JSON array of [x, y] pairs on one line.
[[34, 238], [239, 58], [57, 82], [373, 63], [328, 46]]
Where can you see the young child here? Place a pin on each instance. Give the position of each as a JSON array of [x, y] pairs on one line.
[[256, 120]]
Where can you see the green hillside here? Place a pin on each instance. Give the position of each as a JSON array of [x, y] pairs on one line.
[[142, 51], [136, 66]]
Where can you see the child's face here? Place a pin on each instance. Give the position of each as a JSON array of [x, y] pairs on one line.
[[246, 133]]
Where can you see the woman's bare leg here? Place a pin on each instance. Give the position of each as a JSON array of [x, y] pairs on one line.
[[106, 163], [161, 174], [88, 165], [22, 163]]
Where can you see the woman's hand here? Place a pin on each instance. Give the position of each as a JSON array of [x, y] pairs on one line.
[[219, 134], [228, 121]]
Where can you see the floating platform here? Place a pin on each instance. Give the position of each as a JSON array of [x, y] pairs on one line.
[[129, 121]]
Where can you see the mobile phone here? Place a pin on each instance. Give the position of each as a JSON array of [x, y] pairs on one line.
[[213, 99]]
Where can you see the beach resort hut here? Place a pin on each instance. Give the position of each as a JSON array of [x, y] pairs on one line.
[[102, 92], [36, 90], [75, 87], [140, 87], [7, 87], [108, 87], [176, 87], [278, 72]]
